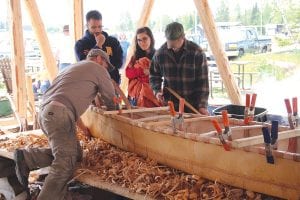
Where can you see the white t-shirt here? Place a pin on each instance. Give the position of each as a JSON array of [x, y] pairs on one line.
[[65, 50]]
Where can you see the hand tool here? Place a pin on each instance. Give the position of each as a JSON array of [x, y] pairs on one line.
[[249, 108], [177, 120], [267, 140], [121, 93], [274, 134], [227, 130], [187, 104], [219, 131], [293, 119], [118, 103]]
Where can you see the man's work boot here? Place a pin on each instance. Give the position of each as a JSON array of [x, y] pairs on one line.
[[22, 170]]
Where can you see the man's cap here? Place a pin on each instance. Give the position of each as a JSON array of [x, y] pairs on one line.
[[66, 28], [103, 54], [174, 31]]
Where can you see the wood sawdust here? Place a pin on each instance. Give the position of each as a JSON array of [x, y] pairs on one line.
[[138, 174]]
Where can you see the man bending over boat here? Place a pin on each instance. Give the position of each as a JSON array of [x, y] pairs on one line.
[[182, 66], [70, 94]]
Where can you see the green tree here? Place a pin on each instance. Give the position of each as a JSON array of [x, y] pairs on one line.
[[238, 14], [188, 21], [126, 23], [255, 15], [222, 13]]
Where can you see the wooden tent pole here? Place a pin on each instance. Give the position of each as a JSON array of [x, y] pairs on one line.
[[42, 38], [210, 29], [17, 61], [144, 19], [30, 96], [77, 19]]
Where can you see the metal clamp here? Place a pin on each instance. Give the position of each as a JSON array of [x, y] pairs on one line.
[[249, 108], [177, 120]]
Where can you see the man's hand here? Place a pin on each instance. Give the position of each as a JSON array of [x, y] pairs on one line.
[[203, 111], [100, 39]]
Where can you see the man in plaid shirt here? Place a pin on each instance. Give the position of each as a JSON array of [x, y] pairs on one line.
[[182, 66]]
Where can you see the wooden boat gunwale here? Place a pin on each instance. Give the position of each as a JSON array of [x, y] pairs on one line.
[[127, 133]]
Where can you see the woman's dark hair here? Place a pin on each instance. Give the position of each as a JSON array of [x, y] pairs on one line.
[[93, 14], [139, 53]]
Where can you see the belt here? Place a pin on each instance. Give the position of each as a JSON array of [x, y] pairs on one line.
[[56, 103]]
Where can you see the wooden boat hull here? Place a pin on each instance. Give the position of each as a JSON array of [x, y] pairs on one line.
[[238, 167]]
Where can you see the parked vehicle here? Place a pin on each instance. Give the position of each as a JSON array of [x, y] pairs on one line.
[[245, 40], [236, 41]]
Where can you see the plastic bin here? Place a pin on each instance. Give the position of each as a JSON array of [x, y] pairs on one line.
[[237, 112], [5, 108]]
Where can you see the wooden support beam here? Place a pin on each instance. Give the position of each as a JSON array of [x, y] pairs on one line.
[[30, 97], [42, 38], [210, 29], [77, 19], [143, 21], [18, 60], [244, 142]]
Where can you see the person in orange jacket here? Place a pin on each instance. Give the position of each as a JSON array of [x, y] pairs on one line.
[[137, 70]]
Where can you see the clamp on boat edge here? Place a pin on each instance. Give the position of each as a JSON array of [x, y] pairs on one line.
[[220, 135]]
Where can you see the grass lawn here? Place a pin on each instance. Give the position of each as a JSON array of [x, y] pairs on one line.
[[278, 66]]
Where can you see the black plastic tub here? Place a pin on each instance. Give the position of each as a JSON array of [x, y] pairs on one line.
[[237, 112]]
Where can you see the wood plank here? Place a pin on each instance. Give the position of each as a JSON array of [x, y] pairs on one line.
[[30, 97], [156, 123], [244, 142], [9, 154], [42, 38], [18, 58], [213, 38], [93, 180], [138, 110], [77, 19]]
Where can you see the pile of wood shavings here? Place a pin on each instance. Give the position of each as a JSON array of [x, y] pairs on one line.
[[138, 174], [145, 176], [24, 141]]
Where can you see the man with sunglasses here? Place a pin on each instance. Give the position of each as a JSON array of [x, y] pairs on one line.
[[96, 38], [182, 66]]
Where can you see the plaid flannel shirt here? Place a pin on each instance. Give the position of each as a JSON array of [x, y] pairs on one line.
[[189, 77]]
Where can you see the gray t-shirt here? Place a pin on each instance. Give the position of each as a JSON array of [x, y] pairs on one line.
[[77, 86]]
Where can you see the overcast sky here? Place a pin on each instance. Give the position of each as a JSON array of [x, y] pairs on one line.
[[57, 12]]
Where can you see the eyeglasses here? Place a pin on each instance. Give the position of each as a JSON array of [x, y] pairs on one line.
[[144, 39], [95, 27]]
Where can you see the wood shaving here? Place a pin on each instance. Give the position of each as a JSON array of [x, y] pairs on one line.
[[138, 174]]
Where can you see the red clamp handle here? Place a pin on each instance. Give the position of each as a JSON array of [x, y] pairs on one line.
[[295, 106], [253, 100], [217, 126], [172, 109], [181, 105], [288, 106], [225, 118], [247, 100]]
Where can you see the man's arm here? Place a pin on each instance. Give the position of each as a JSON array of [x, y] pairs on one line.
[[107, 90], [80, 51], [203, 83], [155, 75]]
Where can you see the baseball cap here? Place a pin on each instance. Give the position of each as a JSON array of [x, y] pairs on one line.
[[174, 31], [103, 54], [66, 28]]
